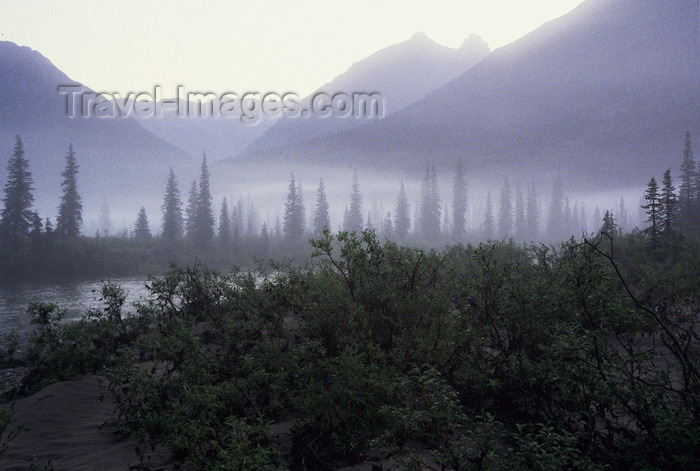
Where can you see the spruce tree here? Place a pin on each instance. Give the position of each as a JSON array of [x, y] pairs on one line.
[[293, 225], [191, 211], [459, 205], [652, 207], [322, 218], [70, 211], [556, 212], [16, 215], [609, 226], [204, 216], [172, 210], [141, 229], [225, 234], [388, 227], [668, 205], [354, 221], [402, 222]]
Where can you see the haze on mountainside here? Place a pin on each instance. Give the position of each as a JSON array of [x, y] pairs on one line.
[[612, 84]]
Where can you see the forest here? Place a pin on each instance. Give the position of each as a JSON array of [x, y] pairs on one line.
[[370, 348], [189, 231]]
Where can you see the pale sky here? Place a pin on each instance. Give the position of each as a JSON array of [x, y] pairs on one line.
[[255, 45]]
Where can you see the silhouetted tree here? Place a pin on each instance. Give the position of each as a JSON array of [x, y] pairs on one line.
[[669, 205], [204, 216], [354, 222], [191, 211], [402, 223], [172, 210], [293, 216], [459, 204], [70, 211], [388, 227], [652, 207], [322, 217], [141, 229], [609, 226], [225, 234], [16, 215]]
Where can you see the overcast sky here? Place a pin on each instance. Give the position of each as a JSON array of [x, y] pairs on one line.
[[254, 45]]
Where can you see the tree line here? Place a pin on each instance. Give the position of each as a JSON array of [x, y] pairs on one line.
[[190, 229]]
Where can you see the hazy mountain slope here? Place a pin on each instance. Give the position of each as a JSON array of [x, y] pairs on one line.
[[119, 160], [603, 94], [402, 73]]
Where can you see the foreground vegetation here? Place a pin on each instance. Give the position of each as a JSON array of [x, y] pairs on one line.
[[583, 357]]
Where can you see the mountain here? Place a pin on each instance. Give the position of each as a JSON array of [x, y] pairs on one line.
[[602, 96], [402, 73], [120, 162]]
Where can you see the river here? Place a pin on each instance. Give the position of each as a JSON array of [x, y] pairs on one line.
[[73, 297]]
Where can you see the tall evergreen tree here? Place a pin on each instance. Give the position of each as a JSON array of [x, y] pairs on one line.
[[687, 192], [70, 211], [16, 215], [652, 207], [191, 211], [354, 221], [668, 207], [505, 211], [293, 225], [459, 204], [402, 222], [609, 226], [141, 229], [204, 216], [225, 234], [322, 217], [488, 218], [388, 227], [622, 217], [172, 210]]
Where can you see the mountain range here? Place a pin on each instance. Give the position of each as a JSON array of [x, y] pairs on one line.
[[602, 95]]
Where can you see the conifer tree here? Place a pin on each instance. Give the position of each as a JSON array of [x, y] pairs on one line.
[[322, 218], [459, 205], [668, 205], [191, 211], [141, 229], [204, 215], [16, 215], [70, 211], [652, 207], [172, 210], [225, 234], [293, 228], [388, 227], [354, 221], [402, 222], [609, 226]]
